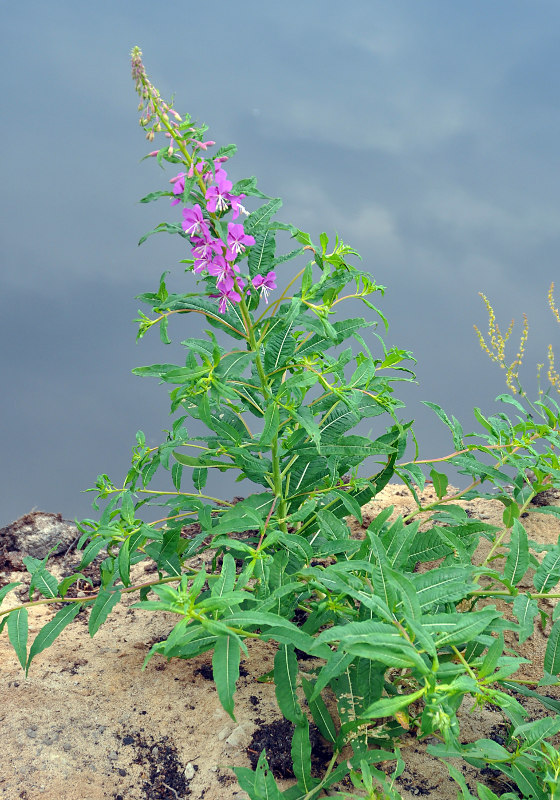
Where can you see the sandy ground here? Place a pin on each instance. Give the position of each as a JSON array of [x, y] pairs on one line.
[[88, 723]]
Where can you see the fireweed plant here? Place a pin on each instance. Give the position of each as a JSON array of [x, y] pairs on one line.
[[396, 645]]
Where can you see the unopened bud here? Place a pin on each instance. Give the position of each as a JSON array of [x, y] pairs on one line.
[[140, 106], [158, 128], [150, 136], [170, 151], [153, 153]]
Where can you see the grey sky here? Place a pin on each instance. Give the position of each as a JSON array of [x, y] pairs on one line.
[[424, 133]]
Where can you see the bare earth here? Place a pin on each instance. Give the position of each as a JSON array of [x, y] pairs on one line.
[[88, 724]]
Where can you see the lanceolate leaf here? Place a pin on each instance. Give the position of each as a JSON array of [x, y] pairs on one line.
[[101, 609], [445, 585], [44, 582], [285, 673], [548, 572], [517, 561], [262, 215], [280, 346], [51, 630], [301, 756], [319, 712], [8, 588], [225, 665], [336, 665], [265, 785], [388, 706], [552, 654], [525, 609], [17, 633], [168, 560], [261, 254]]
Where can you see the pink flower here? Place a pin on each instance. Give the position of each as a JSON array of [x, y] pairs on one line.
[[194, 223], [219, 197], [223, 271], [237, 239], [228, 293], [265, 284], [178, 186]]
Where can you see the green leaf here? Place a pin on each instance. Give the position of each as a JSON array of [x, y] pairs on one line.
[[154, 196], [164, 227], [301, 756], [331, 527], [319, 712], [265, 785], [354, 448], [17, 633], [547, 702], [128, 548], [271, 423], [552, 653], [485, 793], [8, 588], [154, 370], [510, 514], [285, 673], [525, 608], [492, 657], [533, 733], [548, 572], [261, 254], [44, 582], [350, 503], [103, 605], [446, 585], [460, 779], [400, 543], [440, 481], [304, 417], [381, 574], [517, 562], [199, 476], [127, 508], [233, 365], [52, 630], [168, 559], [280, 346], [335, 666], [225, 665], [527, 782], [262, 215], [388, 706]]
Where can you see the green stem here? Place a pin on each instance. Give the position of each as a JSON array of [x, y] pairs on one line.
[[267, 393], [89, 598]]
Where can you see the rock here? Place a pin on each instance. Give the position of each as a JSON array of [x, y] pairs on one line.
[[34, 535]]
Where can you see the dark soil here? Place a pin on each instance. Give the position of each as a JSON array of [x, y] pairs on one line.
[[276, 738]]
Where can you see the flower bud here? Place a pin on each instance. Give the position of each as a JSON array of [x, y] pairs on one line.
[[170, 151]]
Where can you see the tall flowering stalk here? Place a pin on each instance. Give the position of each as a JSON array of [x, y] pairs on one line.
[[237, 264], [207, 179]]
